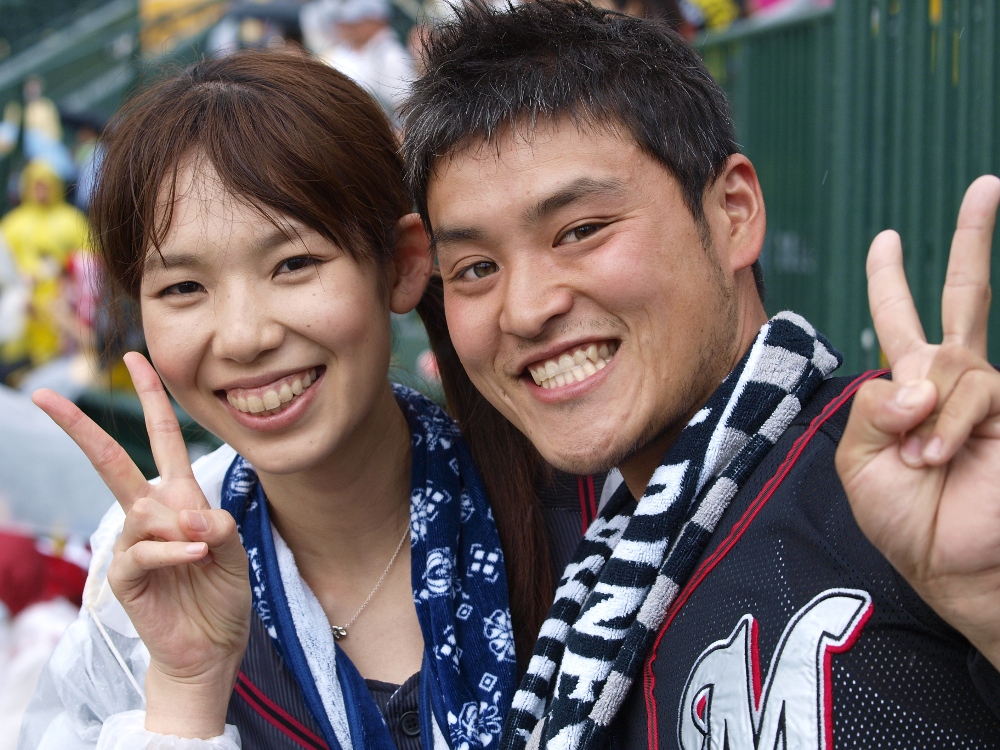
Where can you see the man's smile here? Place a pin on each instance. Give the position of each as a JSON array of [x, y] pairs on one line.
[[574, 365]]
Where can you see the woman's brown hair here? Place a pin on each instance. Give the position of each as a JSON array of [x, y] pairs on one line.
[[295, 138]]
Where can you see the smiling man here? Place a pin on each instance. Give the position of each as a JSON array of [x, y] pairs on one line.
[[597, 232]]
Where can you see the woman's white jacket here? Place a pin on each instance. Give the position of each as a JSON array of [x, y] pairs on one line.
[[90, 695]]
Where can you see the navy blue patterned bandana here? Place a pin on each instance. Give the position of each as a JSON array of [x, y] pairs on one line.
[[459, 588]]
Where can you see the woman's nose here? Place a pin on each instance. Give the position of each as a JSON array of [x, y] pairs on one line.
[[245, 328]]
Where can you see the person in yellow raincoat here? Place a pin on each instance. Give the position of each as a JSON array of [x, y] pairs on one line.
[[42, 233]]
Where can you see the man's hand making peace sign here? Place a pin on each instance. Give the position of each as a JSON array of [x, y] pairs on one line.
[[179, 569], [920, 458]]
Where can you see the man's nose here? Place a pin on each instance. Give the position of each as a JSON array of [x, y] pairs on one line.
[[533, 295], [245, 328]]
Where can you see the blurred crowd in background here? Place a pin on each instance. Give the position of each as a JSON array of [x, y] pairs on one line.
[[52, 330], [55, 333]]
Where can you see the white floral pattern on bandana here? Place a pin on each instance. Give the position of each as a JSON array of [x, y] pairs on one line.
[[485, 563], [424, 508], [500, 633], [476, 725], [439, 572]]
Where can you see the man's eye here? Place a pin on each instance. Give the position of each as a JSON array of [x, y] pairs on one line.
[[480, 270], [297, 263], [581, 233], [184, 287]]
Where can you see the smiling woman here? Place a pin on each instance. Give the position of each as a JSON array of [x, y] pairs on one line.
[[254, 206]]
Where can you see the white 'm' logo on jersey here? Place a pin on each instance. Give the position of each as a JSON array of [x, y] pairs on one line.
[[724, 704]]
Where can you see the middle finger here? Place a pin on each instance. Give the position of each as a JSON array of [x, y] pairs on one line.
[[965, 303]]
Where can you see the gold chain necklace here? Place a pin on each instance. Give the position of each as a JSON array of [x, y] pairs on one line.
[[340, 631]]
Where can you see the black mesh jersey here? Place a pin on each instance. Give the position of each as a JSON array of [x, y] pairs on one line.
[[795, 632]]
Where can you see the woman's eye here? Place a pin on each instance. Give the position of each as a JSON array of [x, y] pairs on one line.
[[184, 287], [297, 263], [480, 270], [581, 233]]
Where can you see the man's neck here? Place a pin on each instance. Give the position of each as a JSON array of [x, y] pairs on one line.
[[639, 468]]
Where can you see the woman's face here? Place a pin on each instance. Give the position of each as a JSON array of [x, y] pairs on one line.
[[279, 347]]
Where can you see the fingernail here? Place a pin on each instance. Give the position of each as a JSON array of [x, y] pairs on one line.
[[197, 521], [934, 449], [195, 549], [910, 396], [206, 560], [911, 448]]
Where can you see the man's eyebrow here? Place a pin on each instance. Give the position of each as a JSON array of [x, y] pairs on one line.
[[584, 187], [448, 235]]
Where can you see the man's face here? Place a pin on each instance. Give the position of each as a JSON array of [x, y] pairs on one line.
[[581, 296]]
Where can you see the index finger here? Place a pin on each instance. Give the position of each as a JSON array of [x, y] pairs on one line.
[[895, 316], [118, 471], [165, 438], [965, 302]]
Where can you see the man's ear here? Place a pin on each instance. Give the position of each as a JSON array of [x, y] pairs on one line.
[[738, 218], [412, 264]]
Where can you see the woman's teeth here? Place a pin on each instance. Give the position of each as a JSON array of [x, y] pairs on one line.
[[275, 398], [573, 367]]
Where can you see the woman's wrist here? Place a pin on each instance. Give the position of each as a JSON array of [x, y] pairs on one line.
[[190, 707]]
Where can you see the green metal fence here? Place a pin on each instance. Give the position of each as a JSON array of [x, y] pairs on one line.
[[866, 116], [25, 22]]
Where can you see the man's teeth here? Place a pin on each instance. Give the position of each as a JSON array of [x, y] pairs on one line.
[[572, 368], [274, 399]]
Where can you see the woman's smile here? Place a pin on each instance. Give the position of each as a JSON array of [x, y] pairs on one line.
[[275, 405]]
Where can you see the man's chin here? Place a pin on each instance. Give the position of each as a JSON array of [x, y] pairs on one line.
[[577, 460]]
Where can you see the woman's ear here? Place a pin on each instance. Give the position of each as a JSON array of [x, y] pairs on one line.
[[412, 265]]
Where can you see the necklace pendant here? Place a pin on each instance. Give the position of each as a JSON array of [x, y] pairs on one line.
[[338, 631]]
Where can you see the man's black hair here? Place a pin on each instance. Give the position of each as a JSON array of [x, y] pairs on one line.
[[490, 69]]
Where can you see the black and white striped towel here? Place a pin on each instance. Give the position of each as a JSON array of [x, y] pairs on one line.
[[634, 559]]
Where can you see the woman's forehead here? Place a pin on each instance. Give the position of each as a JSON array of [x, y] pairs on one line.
[[203, 218], [196, 198]]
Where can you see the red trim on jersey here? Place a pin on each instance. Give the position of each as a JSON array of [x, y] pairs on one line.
[[588, 501], [593, 496], [649, 679], [828, 652], [276, 716], [755, 664]]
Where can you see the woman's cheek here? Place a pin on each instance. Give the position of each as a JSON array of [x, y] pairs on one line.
[[175, 347]]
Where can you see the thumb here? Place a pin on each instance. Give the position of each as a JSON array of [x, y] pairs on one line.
[[882, 412], [217, 529]]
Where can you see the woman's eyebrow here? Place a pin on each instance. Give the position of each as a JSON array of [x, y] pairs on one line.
[[274, 238], [168, 260]]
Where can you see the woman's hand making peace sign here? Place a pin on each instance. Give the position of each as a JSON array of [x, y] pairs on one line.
[[179, 569], [920, 458]]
